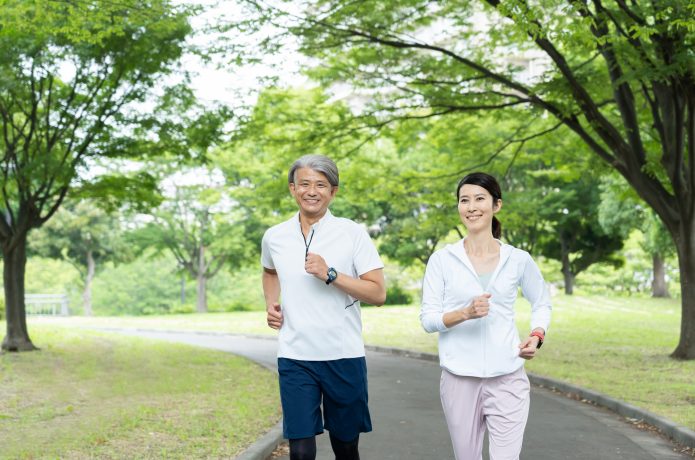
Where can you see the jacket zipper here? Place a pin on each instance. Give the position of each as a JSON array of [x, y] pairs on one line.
[[483, 321]]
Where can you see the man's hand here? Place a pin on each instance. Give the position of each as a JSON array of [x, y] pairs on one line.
[[315, 265], [528, 347], [274, 315]]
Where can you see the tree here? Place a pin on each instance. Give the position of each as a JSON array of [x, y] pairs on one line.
[[621, 76], [573, 235], [375, 190], [285, 124], [552, 199], [71, 76], [84, 235], [621, 211], [204, 230], [418, 204]]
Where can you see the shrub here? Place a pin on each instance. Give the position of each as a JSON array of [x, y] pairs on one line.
[[396, 295], [183, 308], [236, 305]]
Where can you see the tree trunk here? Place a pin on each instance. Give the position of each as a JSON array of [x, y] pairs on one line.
[[15, 260], [566, 267], [183, 288], [569, 281], [202, 303], [659, 286], [87, 294], [685, 245]]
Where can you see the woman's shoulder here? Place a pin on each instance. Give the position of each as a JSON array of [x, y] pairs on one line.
[[516, 253], [442, 253]]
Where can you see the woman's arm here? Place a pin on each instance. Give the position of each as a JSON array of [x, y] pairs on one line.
[[478, 308], [536, 292]]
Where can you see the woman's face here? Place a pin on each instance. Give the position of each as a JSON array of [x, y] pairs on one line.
[[476, 208]]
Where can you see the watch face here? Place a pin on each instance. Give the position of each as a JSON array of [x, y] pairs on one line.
[[332, 273]]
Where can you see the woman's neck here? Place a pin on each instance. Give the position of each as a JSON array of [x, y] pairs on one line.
[[479, 244]]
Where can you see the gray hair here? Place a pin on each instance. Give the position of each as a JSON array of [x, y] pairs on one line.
[[319, 163]]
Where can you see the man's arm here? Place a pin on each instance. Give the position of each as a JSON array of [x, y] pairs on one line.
[[271, 292], [369, 287]]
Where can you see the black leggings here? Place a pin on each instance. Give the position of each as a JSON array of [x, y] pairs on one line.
[[305, 448]]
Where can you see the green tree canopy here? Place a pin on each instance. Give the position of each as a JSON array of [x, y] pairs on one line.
[[620, 76], [204, 230], [85, 236], [622, 211], [74, 77]]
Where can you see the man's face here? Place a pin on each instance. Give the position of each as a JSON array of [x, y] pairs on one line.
[[312, 191]]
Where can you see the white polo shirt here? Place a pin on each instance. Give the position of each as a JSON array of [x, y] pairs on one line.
[[320, 322]]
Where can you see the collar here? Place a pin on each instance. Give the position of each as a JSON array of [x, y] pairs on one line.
[[457, 249], [326, 217]]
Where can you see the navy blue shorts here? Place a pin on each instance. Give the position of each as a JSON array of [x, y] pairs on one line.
[[342, 384]]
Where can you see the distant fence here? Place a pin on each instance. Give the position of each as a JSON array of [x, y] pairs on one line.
[[47, 304]]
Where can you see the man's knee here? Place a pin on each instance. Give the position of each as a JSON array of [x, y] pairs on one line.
[[303, 449], [345, 450]]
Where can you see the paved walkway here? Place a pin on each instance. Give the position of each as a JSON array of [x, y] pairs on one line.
[[409, 424]]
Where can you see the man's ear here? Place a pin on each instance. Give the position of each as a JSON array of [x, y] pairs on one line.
[[334, 190]]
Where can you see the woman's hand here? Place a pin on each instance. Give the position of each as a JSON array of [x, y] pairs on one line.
[[528, 347], [479, 307]]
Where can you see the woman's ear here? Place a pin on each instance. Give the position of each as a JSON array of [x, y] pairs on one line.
[[498, 205]]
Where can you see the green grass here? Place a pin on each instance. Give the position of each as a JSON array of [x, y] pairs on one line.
[[94, 395], [618, 346]]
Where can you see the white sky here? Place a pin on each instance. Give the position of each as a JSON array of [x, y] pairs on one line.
[[230, 84]]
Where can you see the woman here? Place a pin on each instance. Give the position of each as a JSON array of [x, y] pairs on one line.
[[468, 297]]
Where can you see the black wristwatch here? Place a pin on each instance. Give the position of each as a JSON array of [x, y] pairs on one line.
[[332, 275]]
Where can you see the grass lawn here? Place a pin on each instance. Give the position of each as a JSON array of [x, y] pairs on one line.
[[96, 395], [618, 346]]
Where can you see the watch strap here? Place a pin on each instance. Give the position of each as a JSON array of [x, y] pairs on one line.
[[540, 335]]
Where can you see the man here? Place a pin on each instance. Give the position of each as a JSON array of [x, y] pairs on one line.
[[324, 266]]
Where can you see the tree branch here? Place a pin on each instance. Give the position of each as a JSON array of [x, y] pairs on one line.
[[509, 141], [608, 133], [634, 16], [221, 260], [621, 89]]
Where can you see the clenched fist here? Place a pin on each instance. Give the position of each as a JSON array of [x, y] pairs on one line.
[[274, 315], [479, 307], [315, 265]]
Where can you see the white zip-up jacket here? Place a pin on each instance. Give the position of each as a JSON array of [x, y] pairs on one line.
[[488, 346]]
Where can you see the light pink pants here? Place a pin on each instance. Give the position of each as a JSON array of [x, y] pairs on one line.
[[472, 404]]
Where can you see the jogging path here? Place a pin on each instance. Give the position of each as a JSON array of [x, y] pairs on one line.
[[408, 420]]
